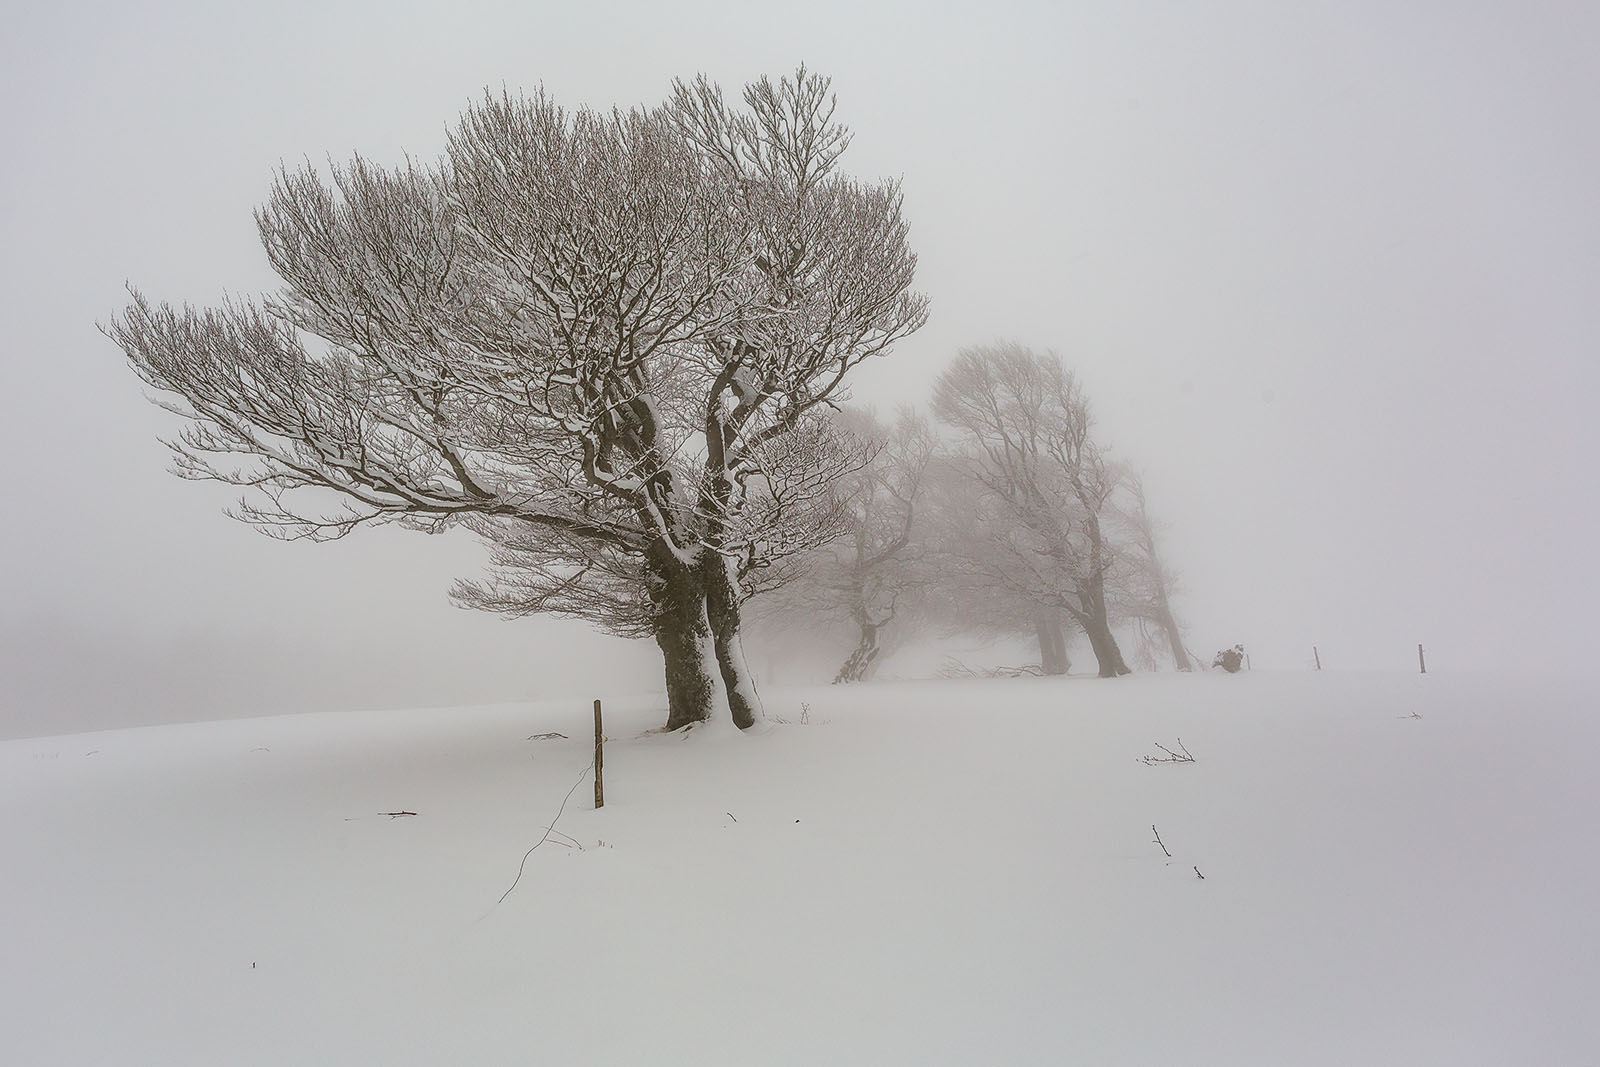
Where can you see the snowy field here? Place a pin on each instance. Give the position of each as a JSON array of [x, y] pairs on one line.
[[1397, 870]]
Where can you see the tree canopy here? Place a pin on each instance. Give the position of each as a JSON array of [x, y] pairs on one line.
[[603, 341]]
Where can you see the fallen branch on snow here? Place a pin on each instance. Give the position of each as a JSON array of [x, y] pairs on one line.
[[954, 668], [1170, 757]]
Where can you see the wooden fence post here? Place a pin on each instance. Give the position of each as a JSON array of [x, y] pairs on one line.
[[599, 760], [1422, 660]]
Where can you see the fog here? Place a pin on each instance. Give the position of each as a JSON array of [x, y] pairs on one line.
[[1327, 271]]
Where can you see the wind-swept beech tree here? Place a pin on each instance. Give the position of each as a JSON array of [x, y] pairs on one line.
[[1039, 485], [603, 341], [1148, 583], [873, 577], [976, 591]]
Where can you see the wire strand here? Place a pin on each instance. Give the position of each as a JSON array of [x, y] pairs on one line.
[[548, 830]]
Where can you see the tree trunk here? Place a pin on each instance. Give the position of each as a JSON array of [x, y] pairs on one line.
[[856, 668], [722, 607], [695, 690], [872, 667], [1098, 629], [1180, 655], [1052, 643], [1106, 652]]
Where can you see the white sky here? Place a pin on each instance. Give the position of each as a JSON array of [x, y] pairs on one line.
[[1331, 273]]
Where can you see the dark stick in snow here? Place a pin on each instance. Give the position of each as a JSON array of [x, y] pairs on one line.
[[599, 758]]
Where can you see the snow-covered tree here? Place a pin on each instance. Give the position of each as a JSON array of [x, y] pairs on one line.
[[604, 341], [1033, 517]]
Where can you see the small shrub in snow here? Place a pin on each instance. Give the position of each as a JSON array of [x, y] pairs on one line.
[[1230, 659]]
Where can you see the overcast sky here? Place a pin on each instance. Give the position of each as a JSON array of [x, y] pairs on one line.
[[1330, 273]]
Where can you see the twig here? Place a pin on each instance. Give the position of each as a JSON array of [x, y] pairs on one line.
[[396, 814], [950, 667], [1198, 875], [566, 840], [546, 737], [953, 668], [548, 830], [804, 720], [1158, 839], [729, 814], [1170, 757]]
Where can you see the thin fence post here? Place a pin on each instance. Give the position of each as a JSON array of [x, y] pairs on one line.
[[599, 760], [1422, 661], [1316, 656]]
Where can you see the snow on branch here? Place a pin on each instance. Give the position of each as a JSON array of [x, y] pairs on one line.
[[590, 337]]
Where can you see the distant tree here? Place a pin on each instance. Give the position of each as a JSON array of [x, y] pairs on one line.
[[603, 341], [1038, 486], [873, 575], [1052, 637], [1149, 585], [976, 590]]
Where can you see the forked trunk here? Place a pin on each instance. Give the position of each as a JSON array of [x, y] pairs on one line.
[[722, 607], [695, 689]]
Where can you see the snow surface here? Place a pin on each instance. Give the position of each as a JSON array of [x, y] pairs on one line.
[[923, 873]]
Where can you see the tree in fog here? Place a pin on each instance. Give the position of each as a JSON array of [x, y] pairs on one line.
[[1034, 511], [1147, 582], [603, 341], [971, 593], [873, 577]]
